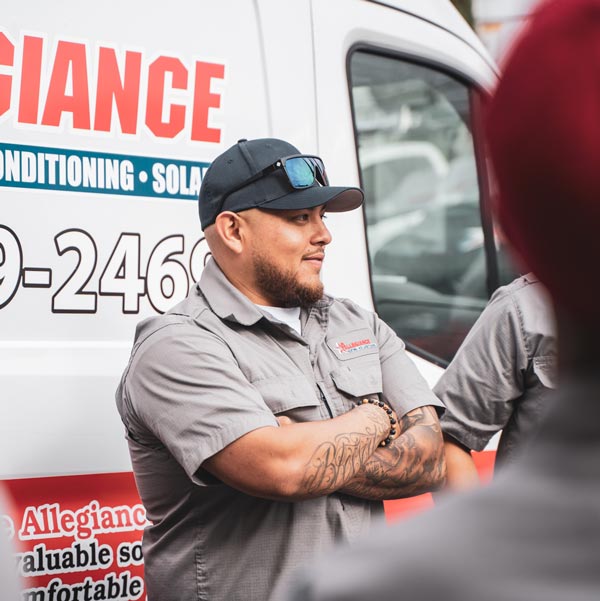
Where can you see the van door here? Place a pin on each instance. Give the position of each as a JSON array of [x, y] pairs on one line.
[[413, 94]]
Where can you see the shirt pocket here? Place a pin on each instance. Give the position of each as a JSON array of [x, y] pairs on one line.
[[360, 380], [291, 395], [544, 368]]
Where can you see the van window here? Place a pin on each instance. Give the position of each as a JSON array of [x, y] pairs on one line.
[[422, 207]]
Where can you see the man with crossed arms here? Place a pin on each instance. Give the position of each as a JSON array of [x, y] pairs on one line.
[[251, 444]]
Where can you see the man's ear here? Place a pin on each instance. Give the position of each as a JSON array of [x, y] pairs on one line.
[[228, 226]]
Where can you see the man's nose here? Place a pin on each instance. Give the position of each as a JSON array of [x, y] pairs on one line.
[[322, 235]]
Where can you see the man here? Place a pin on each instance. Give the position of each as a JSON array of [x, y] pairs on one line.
[[240, 404], [533, 534], [500, 379]]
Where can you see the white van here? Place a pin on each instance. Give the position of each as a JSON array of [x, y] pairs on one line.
[[110, 113]]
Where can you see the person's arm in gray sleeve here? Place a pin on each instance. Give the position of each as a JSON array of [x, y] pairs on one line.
[[193, 396], [480, 385], [302, 460], [414, 463]]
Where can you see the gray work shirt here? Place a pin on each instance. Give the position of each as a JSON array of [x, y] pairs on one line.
[[501, 375], [214, 368]]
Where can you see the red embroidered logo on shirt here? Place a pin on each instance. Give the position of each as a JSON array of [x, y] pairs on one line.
[[356, 346]]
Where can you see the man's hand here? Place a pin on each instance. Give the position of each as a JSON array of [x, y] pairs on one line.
[[283, 420], [413, 464]]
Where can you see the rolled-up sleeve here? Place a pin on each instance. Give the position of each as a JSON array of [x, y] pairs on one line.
[[188, 390], [481, 384], [404, 388]]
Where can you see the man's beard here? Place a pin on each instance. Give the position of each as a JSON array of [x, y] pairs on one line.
[[282, 286]]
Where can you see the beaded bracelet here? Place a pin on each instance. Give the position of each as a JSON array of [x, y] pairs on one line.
[[390, 414]]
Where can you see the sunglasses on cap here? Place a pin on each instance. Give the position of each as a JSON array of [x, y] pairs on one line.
[[302, 171]]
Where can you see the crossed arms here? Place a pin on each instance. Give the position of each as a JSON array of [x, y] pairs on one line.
[[413, 464], [305, 460]]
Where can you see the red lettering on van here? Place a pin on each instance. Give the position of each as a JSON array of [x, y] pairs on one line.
[[31, 70], [156, 97], [205, 99], [125, 92], [70, 60], [113, 100], [7, 57]]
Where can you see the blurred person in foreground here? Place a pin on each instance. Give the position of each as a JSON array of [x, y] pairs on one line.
[[500, 380], [534, 533]]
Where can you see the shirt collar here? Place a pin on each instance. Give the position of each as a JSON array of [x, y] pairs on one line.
[[225, 299]]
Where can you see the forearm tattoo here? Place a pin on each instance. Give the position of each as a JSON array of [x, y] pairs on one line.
[[335, 462], [411, 465]]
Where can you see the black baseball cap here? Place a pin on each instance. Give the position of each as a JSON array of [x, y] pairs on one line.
[[262, 174]]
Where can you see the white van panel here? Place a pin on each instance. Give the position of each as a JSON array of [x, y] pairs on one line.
[[444, 15], [289, 69]]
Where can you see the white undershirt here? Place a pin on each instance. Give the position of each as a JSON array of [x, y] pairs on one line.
[[289, 315]]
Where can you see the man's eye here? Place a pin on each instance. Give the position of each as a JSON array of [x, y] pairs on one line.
[[301, 217]]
